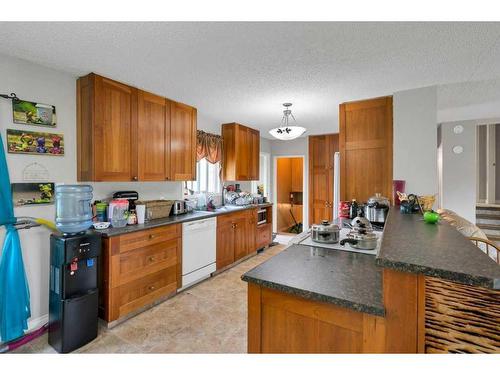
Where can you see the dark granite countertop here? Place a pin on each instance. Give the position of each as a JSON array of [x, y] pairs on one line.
[[192, 216], [343, 278], [411, 245]]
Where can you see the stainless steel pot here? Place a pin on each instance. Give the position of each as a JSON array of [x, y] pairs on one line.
[[361, 223], [377, 208], [361, 240], [325, 232]]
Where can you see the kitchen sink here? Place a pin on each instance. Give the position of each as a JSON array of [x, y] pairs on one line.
[[226, 209]]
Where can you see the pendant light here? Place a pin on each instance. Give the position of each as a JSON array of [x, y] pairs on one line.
[[287, 132]]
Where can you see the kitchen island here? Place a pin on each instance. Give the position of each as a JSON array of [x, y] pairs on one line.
[[429, 289]]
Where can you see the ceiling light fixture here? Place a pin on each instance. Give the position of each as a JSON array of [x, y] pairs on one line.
[[287, 132]]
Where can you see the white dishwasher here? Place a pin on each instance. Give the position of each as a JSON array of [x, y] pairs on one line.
[[198, 250]]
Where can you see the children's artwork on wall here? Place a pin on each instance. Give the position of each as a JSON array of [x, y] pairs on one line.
[[32, 113], [30, 193], [25, 142]]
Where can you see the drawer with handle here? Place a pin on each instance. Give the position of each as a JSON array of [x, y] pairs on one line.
[[132, 265], [136, 294], [147, 237], [264, 235], [232, 217]]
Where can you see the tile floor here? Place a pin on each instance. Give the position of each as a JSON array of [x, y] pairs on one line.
[[210, 317], [283, 238]]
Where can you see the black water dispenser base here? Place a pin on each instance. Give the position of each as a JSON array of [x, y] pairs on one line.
[[74, 296]]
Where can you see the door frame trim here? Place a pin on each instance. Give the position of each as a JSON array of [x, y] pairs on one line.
[[305, 192]]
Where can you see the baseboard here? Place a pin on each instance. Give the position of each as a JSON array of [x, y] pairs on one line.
[[36, 323]]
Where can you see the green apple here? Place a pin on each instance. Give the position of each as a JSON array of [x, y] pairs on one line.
[[431, 217]]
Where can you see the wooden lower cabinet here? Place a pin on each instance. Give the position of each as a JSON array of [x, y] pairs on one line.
[[225, 245], [282, 323], [263, 236], [241, 238], [138, 269], [232, 237], [143, 291], [238, 236]]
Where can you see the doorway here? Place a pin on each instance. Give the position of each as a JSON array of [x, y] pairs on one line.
[[289, 177], [488, 164]]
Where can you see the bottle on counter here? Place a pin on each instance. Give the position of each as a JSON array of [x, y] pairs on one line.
[[101, 209], [132, 218], [353, 209]]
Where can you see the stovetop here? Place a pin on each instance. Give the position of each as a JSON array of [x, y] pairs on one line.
[[305, 239]]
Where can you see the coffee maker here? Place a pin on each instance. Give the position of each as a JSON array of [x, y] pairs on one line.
[[131, 196]]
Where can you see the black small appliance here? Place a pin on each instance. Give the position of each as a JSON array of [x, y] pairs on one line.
[[131, 196], [73, 298]]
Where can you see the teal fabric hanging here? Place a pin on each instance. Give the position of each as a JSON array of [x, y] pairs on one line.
[[14, 291]]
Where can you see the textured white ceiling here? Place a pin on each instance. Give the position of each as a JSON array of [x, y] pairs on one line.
[[244, 71]]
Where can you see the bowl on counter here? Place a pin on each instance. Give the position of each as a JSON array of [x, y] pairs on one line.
[[101, 225]]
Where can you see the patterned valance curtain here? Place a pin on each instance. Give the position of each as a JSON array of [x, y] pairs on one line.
[[209, 146]]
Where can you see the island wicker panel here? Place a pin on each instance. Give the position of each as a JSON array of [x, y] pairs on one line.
[[461, 318]]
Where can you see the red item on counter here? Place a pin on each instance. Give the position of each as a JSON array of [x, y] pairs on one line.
[[344, 208]]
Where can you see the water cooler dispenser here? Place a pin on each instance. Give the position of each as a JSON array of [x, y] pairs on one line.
[[73, 299]]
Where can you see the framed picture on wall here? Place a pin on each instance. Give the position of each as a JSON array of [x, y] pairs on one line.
[[31, 193], [31, 113], [36, 143]]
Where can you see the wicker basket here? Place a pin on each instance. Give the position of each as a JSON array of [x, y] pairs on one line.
[[156, 209], [427, 202]]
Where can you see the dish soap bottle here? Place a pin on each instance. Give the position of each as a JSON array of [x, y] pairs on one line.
[[353, 210]]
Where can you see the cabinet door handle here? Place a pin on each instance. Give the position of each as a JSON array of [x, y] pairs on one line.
[[151, 259], [152, 287], [135, 178], [151, 236]]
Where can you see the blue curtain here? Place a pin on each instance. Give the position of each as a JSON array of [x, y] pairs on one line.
[[14, 291]]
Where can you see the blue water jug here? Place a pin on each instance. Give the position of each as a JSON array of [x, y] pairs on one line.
[[73, 208]]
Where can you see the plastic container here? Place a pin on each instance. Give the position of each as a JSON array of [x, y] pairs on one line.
[[73, 208], [118, 211]]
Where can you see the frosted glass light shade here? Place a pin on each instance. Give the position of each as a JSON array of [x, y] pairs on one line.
[[286, 133]]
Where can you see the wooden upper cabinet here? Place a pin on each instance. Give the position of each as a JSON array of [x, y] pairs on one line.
[[366, 148], [153, 129], [106, 120], [126, 134], [254, 159], [241, 153], [182, 142], [322, 149]]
